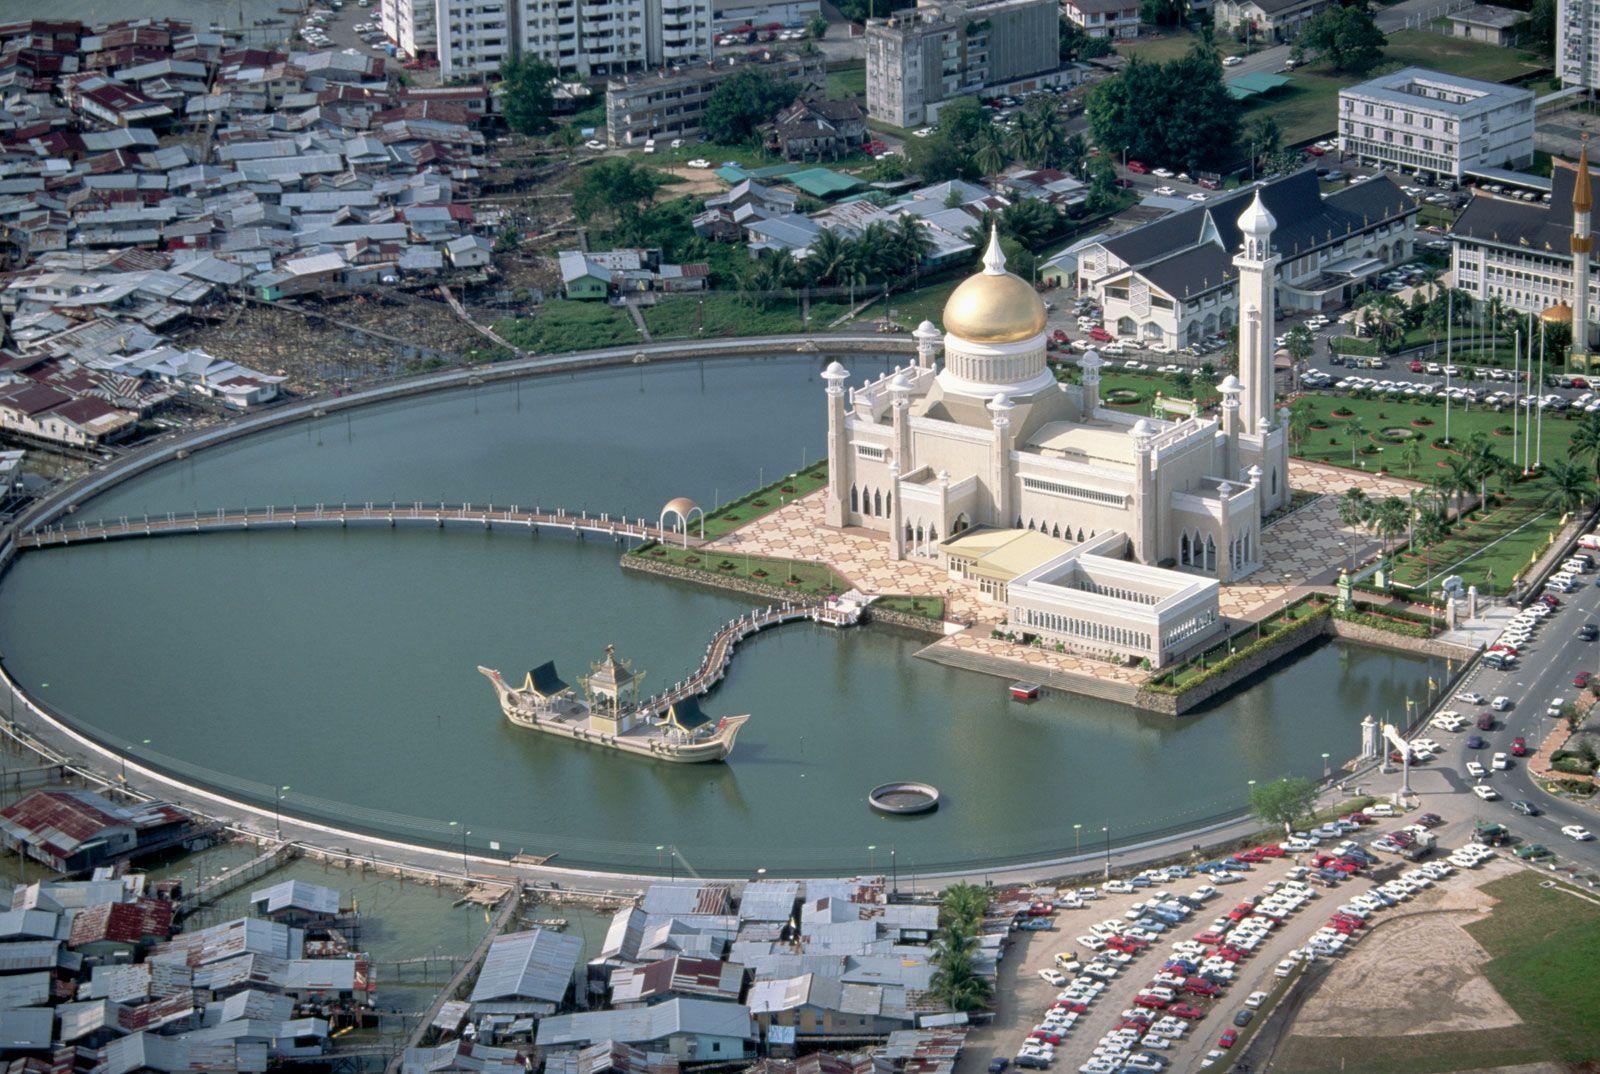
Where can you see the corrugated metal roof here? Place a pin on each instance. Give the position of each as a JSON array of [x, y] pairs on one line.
[[296, 895], [537, 964]]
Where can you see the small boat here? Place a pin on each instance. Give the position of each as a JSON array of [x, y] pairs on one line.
[[610, 714], [1024, 691]]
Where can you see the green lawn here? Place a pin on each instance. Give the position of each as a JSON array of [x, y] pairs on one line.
[[1305, 108], [1171, 44], [848, 83], [807, 579], [763, 501], [1544, 944], [721, 314], [563, 325], [1521, 526], [927, 607]]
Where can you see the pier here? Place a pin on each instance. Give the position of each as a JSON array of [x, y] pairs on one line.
[[719, 650], [345, 515], [234, 879]]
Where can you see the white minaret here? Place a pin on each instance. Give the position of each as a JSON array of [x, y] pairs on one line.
[[1000, 408], [1257, 266], [836, 510], [1582, 244]]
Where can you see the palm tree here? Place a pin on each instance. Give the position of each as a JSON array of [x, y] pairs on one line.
[[963, 905], [1388, 519], [1463, 478], [1411, 453], [1029, 221], [1075, 156], [1041, 136], [829, 254], [1570, 487], [1482, 463], [1299, 421], [1356, 429], [990, 154], [911, 244], [1353, 506], [1586, 440], [1385, 318]]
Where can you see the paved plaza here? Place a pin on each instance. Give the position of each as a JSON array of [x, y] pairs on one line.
[[1307, 548]]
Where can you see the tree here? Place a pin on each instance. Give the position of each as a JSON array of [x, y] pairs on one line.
[[1299, 421], [1283, 801], [1347, 37], [1411, 453], [1388, 519], [860, 10], [1041, 135], [1586, 441], [1570, 486], [1163, 12], [527, 94], [1356, 429], [1178, 113], [1075, 156], [613, 187], [507, 241], [1264, 135], [963, 906], [1299, 343], [991, 150], [1076, 44], [1103, 189], [1030, 221], [948, 152], [1353, 506], [1542, 25], [818, 26], [744, 102]]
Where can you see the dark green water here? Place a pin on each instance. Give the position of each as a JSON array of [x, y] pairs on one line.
[[341, 663]]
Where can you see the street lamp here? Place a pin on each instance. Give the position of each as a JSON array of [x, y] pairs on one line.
[[1325, 769], [1077, 839], [894, 875], [872, 849], [1107, 831], [277, 810], [659, 863]]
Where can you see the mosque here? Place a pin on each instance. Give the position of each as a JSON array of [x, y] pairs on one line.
[[1103, 530]]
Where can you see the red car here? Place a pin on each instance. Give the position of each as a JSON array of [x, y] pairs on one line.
[[1503, 647], [1580, 382], [1272, 851], [1184, 1010], [1199, 986], [1232, 954], [1210, 184], [1070, 1007], [1155, 1003], [1346, 919], [1227, 1038], [1046, 1036], [1060, 336], [1100, 335], [1581, 679], [1315, 150], [1138, 167], [1416, 365], [1519, 747], [1209, 936], [1359, 818]]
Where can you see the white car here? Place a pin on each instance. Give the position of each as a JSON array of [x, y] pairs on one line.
[[1233, 61], [1578, 832], [1381, 809], [1161, 173], [1501, 703], [1053, 977], [1164, 191], [699, 164], [1486, 792], [594, 143], [1093, 943], [1500, 761], [1197, 196], [1476, 770]]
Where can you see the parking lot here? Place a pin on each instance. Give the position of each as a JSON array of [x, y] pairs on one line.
[[1157, 971]]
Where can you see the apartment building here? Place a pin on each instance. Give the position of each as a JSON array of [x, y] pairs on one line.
[[581, 39], [1578, 42], [669, 103], [1266, 20], [1445, 125], [920, 57], [1117, 19]]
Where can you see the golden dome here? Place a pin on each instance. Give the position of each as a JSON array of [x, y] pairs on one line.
[[1560, 313], [994, 306]]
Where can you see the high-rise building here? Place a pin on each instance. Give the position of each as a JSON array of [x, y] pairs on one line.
[[1578, 42], [920, 57], [669, 102], [581, 39]]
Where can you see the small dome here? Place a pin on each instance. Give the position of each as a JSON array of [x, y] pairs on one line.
[[926, 330], [682, 506], [1142, 429], [1230, 385], [1256, 220], [1560, 313], [994, 306], [835, 371]]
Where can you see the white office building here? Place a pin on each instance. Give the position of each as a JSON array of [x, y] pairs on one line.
[[1578, 42], [581, 39], [1445, 125]]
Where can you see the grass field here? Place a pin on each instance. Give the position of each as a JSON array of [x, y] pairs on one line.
[[1491, 568], [810, 579], [927, 607], [848, 83], [729, 315], [763, 501], [1305, 108], [565, 325], [1172, 44]]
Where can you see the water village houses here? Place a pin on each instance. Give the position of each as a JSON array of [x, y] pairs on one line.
[[75, 831], [528, 973]]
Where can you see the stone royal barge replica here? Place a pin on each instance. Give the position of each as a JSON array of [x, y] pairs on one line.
[[610, 713]]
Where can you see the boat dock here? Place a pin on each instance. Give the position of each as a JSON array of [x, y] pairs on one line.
[[234, 879]]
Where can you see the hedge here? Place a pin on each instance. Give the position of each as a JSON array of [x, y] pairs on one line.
[[1166, 684], [1384, 622]]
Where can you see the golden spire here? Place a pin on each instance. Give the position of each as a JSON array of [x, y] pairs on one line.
[[1582, 195]]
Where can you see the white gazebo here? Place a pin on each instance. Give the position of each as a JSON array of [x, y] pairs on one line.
[[684, 510]]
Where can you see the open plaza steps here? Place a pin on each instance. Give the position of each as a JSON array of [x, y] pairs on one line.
[[1011, 670]]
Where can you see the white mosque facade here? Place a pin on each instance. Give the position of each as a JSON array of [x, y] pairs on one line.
[[1152, 514]]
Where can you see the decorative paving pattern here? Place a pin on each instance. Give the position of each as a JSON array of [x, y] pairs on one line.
[[1303, 550]]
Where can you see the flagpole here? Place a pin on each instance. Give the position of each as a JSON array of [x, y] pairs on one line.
[[1449, 312], [1516, 358], [1527, 419], [1538, 457]]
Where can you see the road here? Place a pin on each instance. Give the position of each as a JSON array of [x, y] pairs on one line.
[[1544, 673]]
